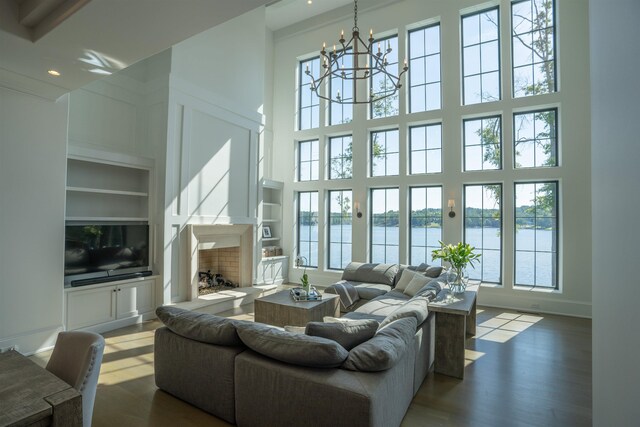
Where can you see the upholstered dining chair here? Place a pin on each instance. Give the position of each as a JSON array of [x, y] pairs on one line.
[[76, 359]]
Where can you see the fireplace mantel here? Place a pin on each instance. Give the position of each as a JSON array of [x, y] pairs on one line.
[[218, 236]]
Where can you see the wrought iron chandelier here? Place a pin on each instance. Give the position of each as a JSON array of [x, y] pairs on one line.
[[355, 61]]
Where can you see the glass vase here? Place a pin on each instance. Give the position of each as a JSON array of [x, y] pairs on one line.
[[457, 280]]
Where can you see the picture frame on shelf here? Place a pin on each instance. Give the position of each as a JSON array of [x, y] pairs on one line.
[[266, 232]]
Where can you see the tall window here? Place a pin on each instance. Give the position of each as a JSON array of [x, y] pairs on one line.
[[482, 143], [385, 153], [308, 160], [340, 217], [308, 102], [483, 229], [426, 149], [424, 69], [535, 141], [381, 85], [426, 223], [384, 234], [308, 227], [341, 113], [340, 157], [533, 47], [536, 240], [481, 57]]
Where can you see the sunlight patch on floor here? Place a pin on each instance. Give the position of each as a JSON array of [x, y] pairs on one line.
[[504, 326], [471, 356]]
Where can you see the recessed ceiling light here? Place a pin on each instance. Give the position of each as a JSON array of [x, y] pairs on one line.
[[309, 1], [54, 73]]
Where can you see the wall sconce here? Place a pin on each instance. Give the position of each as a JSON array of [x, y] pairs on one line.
[[451, 204], [356, 208]]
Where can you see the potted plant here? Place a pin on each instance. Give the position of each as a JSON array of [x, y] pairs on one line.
[[458, 256], [304, 280]]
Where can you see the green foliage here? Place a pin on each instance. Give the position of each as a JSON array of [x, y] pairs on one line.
[[459, 256]]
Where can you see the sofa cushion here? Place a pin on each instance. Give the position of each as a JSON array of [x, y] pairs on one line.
[[297, 349], [355, 315], [386, 347], [417, 283], [384, 304], [405, 277], [416, 307], [370, 273], [433, 271], [202, 327], [348, 334], [432, 288]]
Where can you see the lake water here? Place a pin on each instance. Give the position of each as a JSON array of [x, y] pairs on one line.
[[531, 267]]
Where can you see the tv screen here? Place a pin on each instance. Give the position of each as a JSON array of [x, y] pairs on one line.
[[102, 250]]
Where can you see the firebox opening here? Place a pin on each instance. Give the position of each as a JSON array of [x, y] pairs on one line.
[[218, 269]]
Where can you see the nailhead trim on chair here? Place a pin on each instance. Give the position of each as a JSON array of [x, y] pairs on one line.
[[94, 351]]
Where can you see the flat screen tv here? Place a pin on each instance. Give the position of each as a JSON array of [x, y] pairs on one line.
[[102, 252]]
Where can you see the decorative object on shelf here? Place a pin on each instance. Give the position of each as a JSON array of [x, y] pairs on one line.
[[356, 61], [304, 280], [266, 232], [300, 294], [451, 204], [459, 256]]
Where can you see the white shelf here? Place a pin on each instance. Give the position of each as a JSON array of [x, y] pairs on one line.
[[270, 220], [270, 239], [277, 205], [105, 191], [101, 191], [107, 218]]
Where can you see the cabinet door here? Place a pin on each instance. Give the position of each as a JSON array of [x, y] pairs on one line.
[[135, 298], [267, 272], [91, 307], [277, 270]]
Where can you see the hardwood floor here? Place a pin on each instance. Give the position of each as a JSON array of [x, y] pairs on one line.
[[522, 370]]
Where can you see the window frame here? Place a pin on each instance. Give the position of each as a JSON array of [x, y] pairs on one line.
[[301, 87], [371, 155], [555, 50], [370, 79], [331, 158], [556, 136], [479, 44], [464, 143], [501, 229], [410, 211], [426, 150], [329, 219], [371, 221], [425, 56], [299, 224], [557, 241], [311, 160]]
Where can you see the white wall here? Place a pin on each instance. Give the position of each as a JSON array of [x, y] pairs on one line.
[[227, 60], [215, 117], [33, 135], [615, 60], [305, 39]]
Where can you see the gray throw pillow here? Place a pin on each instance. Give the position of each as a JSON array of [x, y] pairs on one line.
[[405, 278], [297, 349], [416, 307], [433, 271], [202, 327], [417, 282], [385, 349], [347, 334], [370, 273]]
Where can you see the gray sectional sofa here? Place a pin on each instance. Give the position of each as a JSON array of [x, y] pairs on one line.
[[362, 371]]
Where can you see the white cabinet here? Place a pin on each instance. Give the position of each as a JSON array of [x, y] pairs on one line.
[[274, 269], [107, 306]]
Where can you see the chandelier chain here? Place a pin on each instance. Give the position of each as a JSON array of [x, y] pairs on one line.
[[355, 15]]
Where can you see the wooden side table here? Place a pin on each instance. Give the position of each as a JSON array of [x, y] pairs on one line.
[[280, 309], [454, 321]]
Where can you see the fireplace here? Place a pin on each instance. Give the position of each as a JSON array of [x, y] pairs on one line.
[[221, 257]]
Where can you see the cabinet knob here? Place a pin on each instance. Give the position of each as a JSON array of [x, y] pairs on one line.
[[114, 290]]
